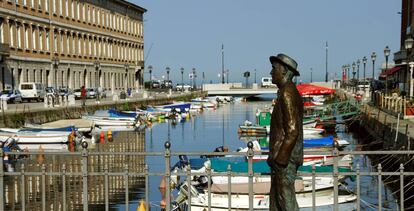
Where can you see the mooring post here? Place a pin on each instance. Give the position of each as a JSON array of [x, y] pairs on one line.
[[250, 154], [167, 156], [85, 175]]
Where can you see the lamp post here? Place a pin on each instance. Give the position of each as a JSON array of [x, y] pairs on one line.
[[150, 72], [353, 75], [182, 79], [387, 52], [408, 46], [194, 78], [411, 77], [348, 76], [357, 82], [364, 61], [311, 72], [227, 74], [373, 58], [168, 73], [255, 79]]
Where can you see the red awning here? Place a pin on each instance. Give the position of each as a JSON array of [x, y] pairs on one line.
[[309, 89], [390, 71]]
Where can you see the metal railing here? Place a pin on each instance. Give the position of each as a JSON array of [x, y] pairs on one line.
[[87, 175]]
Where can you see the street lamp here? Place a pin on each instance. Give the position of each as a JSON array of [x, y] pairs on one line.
[[353, 74], [311, 72], [182, 79], [364, 61], [255, 81], [227, 74], [150, 72], [168, 73], [408, 46], [358, 63], [194, 78], [373, 58], [387, 52]]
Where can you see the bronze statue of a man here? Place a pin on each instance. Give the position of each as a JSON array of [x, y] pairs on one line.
[[286, 135]]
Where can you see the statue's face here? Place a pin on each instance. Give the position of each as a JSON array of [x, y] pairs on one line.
[[277, 73]]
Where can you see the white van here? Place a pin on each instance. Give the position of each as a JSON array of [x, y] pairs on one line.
[[267, 82], [32, 91]]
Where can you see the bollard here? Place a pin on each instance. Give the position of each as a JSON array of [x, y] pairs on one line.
[[102, 138], [4, 104], [45, 101], [85, 175], [109, 135]]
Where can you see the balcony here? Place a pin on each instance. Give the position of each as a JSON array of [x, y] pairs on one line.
[[400, 56]]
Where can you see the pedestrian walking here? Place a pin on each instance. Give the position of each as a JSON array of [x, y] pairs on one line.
[[83, 96]]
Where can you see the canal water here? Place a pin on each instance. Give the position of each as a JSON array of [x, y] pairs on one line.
[[201, 133]]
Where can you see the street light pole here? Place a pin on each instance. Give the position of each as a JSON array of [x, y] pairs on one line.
[[353, 75], [194, 78], [373, 58], [182, 79], [386, 53], [326, 64], [222, 63], [227, 74], [408, 45], [168, 73], [364, 61], [255, 81], [311, 75], [357, 82]]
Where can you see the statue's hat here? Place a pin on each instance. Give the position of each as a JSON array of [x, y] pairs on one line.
[[287, 61]]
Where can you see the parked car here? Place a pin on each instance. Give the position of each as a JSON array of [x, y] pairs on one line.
[[167, 84], [154, 84], [11, 96], [77, 93], [267, 82], [91, 92], [64, 91], [183, 87], [50, 91], [32, 91]]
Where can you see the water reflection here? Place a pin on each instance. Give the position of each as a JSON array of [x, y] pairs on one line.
[[203, 132], [53, 185]]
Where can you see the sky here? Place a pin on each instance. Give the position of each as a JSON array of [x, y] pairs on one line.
[[190, 33]]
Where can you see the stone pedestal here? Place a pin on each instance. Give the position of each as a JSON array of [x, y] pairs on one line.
[[4, 104], [71, 100], [115, 97], [46, 101]]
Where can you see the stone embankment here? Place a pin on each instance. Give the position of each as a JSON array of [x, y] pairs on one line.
[[27, 115]]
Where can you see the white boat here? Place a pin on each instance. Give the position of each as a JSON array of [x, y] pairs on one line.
[[99, 128], [102, 121], [261, 185], [312, 131], [45, 147], [34, 138], [261, 202]]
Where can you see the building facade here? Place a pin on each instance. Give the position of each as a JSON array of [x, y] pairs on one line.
[[71, 43], [404, 56]]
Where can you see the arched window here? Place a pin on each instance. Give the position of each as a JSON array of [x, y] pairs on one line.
[[1, 32], [19, 37], [40, 40]]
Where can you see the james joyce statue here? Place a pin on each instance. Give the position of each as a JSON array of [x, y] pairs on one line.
[[286, 135]]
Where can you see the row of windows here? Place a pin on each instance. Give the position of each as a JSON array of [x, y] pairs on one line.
[[37, 38], [89, 13]]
